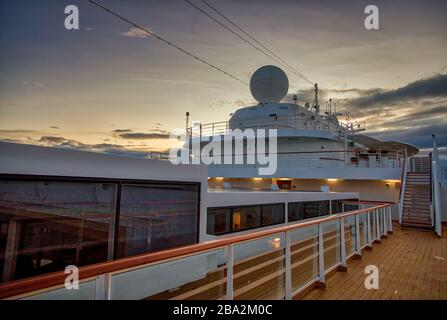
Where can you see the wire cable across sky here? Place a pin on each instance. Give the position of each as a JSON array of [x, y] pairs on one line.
[[270, 53], [167, 42]]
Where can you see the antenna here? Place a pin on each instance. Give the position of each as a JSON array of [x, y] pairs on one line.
[[330, 107], [187, 120], [315, 104]]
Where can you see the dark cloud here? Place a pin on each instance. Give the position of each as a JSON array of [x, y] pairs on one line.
[[119, 131], [128, 134], [16, 131], [54, 127], [418, 136], [108, 148], [52, 139], [433, 87], [143, 136]]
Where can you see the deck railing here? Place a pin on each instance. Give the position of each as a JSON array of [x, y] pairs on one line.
[[295, 122], [276, 263], [322, 159]]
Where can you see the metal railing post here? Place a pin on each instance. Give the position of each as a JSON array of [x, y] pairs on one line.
[[357, 235], [377, 212], [390, 219], [342, 242], [321, 274], [230, 272], [288, 267], [368, 226], [102, 287]]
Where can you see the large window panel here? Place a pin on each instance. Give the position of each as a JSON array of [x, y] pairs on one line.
[[219, 221], [47, 225], [272, 214], [311, 209], [246, 218], [155, 217], [295, 211]]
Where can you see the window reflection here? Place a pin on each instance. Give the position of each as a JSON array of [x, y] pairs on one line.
[[46, 225], [157, 217]]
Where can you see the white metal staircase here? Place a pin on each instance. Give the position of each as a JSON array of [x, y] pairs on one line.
[[417, 199]]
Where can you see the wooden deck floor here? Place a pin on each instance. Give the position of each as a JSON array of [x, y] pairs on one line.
[[412, 265]]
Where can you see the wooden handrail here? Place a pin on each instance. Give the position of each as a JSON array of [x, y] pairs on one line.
[[55, 279]]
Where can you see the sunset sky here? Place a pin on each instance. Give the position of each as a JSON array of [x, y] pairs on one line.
[[109, 88]]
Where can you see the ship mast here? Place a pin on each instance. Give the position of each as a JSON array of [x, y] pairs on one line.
[[316, 106]]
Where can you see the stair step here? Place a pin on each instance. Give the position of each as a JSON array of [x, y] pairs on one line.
[[417, 222], [416, 227], [424, 219]]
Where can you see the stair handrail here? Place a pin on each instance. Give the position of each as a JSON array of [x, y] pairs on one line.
[[435, 169], [402, 188]]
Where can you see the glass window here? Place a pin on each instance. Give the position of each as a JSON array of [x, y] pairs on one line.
[[272, 214], [218, 221], [306, 210], [246, 217], [336, 206], [296, 211], [155, 217], [47, 225], [311, 209], [323, 208]]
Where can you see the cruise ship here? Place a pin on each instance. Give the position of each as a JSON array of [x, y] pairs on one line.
[[337, 202]]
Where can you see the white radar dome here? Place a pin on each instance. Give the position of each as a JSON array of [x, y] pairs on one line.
[[269, 84]]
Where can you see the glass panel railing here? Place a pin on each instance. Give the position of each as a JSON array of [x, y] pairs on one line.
[[373, 224], [304, 255], [350, 240], [331, 241], [85, 291], [363, 227], [259, 269], [382, 221], [199, 276]]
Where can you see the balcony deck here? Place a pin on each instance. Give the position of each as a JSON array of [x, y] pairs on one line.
[[412, 265]]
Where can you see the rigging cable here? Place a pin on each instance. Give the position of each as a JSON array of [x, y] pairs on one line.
[[275, 57], [167, 42]]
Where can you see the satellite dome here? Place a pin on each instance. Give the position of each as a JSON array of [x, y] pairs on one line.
[[269, 84]]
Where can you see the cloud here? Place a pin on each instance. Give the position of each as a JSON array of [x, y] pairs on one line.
[[435, 86], [16, 131], [119, 131], [136, 33], [114, 149], [54, 127], [143, 136], [233, 103], [128, 134]]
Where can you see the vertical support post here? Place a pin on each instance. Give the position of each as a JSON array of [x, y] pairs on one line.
[[357, 235], [377, 213], [368, 227], [390, 219], [288, 267], [102, 287], [345, 138], [286, 212], [230, 273], [342, 242], [321, 274], [385, 221]]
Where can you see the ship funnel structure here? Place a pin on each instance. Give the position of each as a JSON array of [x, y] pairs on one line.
[[269, 84]]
